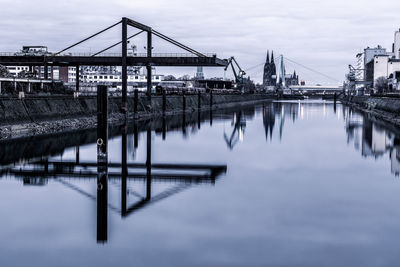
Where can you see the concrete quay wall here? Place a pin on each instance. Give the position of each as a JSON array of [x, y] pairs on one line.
[[38, 109], [384, 108]]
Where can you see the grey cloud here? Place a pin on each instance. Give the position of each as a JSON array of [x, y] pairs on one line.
[[324, 35]]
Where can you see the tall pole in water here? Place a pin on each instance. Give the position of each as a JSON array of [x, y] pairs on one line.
[[148, 162], [124, 69], [102, 164], [124, 169], [148, 66]]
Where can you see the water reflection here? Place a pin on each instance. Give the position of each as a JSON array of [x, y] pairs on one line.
[[239, 125], [277, 113], [370, 136], [36, 167], [181, 176], [373, 138]]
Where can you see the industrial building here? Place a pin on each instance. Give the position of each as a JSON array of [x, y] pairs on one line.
[[377, 62]]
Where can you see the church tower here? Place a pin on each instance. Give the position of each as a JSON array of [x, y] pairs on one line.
[[269, 71]]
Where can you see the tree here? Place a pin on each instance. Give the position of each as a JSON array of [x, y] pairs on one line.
[[169, 78], [185, 77], [381, 85], [4, 72], [25, 74]]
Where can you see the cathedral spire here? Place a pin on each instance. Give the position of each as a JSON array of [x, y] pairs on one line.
[[272, 56], [267, 56]]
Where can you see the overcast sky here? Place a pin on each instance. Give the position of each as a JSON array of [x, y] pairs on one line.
[[323, 35]]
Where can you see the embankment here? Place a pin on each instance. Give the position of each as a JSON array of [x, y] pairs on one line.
[[384, 108], [42, 115]]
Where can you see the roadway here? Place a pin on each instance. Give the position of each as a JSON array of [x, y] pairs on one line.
[[175, 60]]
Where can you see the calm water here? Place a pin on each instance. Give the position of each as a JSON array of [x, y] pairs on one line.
[[306, 184]]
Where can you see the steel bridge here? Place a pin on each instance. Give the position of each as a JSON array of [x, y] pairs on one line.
[[317, 88], [61, 58]]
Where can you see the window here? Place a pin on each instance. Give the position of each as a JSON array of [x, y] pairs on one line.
[[157, 77], [95, 77], [137, 77], [100, 77]]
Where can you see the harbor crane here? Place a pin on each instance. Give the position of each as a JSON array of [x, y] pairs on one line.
[[353, 81], [238, 75]]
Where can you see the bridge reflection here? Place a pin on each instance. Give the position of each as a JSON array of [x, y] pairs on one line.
[[39, 170], [370, 136], [181, 176]]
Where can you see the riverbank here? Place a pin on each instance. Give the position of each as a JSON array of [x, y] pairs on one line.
[[384, 108], [46, 115]]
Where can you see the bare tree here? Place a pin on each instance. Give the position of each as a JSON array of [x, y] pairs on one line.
[[381, 85]]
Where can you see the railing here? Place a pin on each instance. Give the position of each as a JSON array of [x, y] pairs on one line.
[[86, 54], [6, 54]]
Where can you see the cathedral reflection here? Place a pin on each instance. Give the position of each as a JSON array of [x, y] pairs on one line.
[[275, 114], [373, 138]]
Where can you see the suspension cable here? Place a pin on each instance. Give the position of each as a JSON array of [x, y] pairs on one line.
[[120, 42], [310, 69], [166, 38], [84, 40]]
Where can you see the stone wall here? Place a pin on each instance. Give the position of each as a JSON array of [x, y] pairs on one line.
[[387, 104], [13, 111]]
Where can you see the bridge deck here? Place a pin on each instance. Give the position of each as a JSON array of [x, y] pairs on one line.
[[177, 61]]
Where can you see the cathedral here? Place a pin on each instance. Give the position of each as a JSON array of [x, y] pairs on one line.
[[292, 79], [269, 78]]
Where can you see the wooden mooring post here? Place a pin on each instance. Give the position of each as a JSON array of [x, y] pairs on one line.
[[102, 164], [199, 100], [183, 101], [164, 101], [135, 102]]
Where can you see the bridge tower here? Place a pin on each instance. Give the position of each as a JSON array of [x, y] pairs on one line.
[[281, 75]]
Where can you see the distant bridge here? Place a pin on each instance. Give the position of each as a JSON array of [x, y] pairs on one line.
[[316, 88]]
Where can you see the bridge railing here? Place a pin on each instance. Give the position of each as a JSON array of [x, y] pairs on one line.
[[6, 54], [87, 54]]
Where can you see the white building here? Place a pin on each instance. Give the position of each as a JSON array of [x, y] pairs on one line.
[[384, 66], [96, 75], [396, 44], [14, 70], [380, 63], [53, 72], [360, 65]]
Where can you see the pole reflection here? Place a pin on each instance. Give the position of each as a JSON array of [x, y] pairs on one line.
[[370, 136]]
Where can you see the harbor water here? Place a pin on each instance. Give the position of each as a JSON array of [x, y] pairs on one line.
[[295, 183]]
